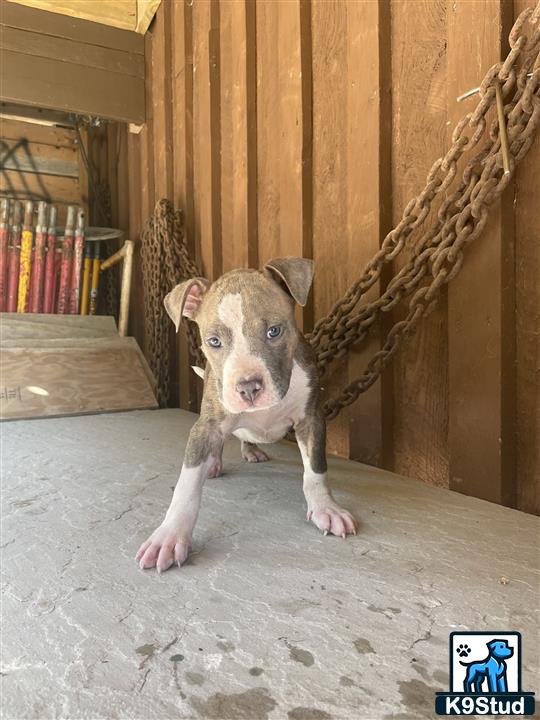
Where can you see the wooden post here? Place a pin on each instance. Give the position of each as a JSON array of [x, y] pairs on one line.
[[481, 302]]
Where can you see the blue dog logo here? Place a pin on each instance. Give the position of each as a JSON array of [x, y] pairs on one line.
[[493, 669], [485, 675]]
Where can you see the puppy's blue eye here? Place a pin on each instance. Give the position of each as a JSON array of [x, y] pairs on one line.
[[274, 331], [214, 342]]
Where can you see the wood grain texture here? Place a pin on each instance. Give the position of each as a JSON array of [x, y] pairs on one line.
[[481, 299], [72, 51], [206, 136], [295, 133], [419, 76], [77, 380], [347, 187], [527, 268], [69, 365], [238, 203], [182, 124], [16, 326], [14, 14], [51, 83], [116, 14], [32, 133]]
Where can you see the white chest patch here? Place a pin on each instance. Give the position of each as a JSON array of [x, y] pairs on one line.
[[270, 425]]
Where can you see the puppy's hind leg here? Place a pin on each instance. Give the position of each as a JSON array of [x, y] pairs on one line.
[[253, 453]]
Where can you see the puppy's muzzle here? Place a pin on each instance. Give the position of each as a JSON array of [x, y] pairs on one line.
[[250, 389]]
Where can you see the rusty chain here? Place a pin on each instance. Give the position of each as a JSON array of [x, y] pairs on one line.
[[461, 217], [437, 256], [165, 262]]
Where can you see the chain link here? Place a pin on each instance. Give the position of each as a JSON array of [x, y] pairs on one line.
[[165, 263], [460, 219]]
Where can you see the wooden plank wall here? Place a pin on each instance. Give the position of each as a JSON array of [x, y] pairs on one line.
[[303, 128], [40, 162]]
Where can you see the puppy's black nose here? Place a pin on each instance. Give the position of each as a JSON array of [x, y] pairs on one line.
[[249, 389]]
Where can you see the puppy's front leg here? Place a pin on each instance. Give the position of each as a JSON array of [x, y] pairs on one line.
[[322, 509], [171, 541]]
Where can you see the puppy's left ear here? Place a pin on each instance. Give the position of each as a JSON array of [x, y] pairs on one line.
[[185, 299], [293, 272]]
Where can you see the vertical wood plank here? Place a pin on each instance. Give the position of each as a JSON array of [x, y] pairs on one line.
[[349, 171], [419, 138], [527, 232], [206, 136], [182, 121], [481, 302], [238, 146], [284, 132], [160, 81]]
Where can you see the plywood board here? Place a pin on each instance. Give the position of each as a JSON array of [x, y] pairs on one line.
[[56, 377], [121, 14], [19, 326]]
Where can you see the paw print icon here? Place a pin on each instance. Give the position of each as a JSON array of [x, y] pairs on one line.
[[463, 650]]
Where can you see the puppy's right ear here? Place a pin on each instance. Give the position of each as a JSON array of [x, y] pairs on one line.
[[185, 299]]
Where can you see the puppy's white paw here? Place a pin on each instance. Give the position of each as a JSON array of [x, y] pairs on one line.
[[252, 453], [166, 546], [331, 519], [216, 470]]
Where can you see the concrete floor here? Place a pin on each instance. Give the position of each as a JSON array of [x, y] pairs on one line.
[[269, 619]]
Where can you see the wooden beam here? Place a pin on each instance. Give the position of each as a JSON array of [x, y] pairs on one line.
[[481, 299], [51, 83], [44, 22], [72, 51]]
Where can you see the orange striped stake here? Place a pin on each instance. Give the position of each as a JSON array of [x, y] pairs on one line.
[[87, 269], [77, 265], [67, 260], [94, 290], [25, 259], [13, 258], [38, 266], [48, 290], [4, 239]]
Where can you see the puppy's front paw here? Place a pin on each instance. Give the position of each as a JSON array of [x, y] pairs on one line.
[[165, 546], [330, 518]]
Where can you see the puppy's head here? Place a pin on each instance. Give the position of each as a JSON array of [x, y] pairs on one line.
[[248, 329]]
